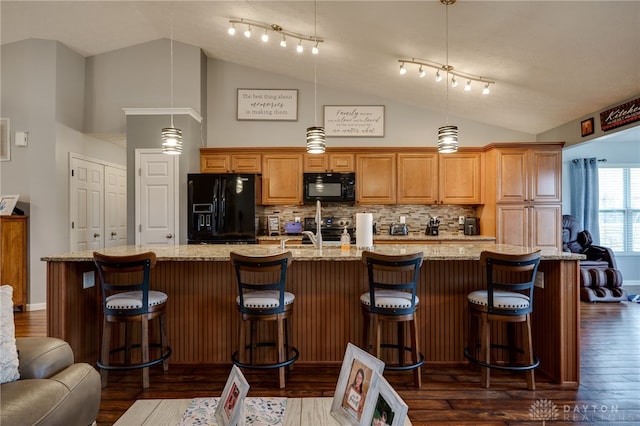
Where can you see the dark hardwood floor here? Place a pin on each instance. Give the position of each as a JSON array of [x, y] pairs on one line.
[[609, 392]]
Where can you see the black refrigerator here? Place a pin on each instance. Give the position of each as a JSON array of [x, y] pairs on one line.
[[222, 208]]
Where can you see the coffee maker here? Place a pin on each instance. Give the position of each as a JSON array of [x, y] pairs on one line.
[[433, 226], [471, 226]]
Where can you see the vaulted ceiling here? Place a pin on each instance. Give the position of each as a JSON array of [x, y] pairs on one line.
[[553, 61]]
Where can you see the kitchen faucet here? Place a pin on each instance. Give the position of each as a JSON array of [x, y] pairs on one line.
[[316, 239]]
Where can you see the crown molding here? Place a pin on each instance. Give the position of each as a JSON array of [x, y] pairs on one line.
[[163, 111]]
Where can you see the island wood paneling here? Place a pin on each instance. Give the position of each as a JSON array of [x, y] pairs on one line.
[[203, 321]]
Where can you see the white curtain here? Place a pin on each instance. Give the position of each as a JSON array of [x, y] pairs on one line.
[[584, 194]]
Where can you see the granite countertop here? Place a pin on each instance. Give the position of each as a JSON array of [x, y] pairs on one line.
[[215, 252]]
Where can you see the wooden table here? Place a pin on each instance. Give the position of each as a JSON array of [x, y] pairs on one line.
[[161, 412]]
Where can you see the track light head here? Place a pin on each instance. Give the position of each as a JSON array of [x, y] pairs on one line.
[[486, 90], [247, 32], [265, 36], [454, 82], [421, 72], [299, 47], [232, 29], [467, 86], [283, 42], [403, 70], [315, 50], [438, 76]]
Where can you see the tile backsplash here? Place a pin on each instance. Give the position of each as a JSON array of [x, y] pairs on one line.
[[416, 216]]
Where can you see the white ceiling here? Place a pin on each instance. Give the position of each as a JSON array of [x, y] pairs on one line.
[[553, 61]]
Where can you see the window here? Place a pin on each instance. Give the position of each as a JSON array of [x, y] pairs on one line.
[[619, 208]]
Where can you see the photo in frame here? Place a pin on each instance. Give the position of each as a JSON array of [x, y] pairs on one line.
[[358, 376], [229, 411], [5, 140], [384, 406], [354, 121], [267, 105], [586, 127], [7, 204]]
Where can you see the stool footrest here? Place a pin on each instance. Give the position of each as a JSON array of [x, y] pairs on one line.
[[403, 367], [156, 361], [510, 367], [285, 363]]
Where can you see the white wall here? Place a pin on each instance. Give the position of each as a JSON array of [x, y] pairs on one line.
[[404, 125]]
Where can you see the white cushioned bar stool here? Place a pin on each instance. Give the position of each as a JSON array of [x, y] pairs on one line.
[[393, 282], [508, 298], [262, 297], [127, 299]]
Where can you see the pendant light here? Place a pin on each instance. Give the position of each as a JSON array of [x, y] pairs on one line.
[[315, 135], [171, 136], [447, 135]]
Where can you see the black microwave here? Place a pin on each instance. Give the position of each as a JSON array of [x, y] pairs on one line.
[[329, 187]]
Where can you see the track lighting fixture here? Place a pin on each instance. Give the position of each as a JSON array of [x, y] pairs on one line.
[[277, 29], [421, 63]]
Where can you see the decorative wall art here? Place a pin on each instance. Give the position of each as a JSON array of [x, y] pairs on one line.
[[620, 115], [354, 121], [5, 140], [586, 127], [268, 104]]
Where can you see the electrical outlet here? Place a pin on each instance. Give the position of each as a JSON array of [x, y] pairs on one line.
[[297, 219], [88, 279], [460, 220], [403, 219]]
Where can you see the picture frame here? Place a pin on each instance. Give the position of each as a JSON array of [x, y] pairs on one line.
[[7, 204], [384, 406], [5, 140], [229, 411], [586, 127], [358, 375], [353, 121], [267, 105]]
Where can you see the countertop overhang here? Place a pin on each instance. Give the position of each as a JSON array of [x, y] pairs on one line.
[[220, 252]]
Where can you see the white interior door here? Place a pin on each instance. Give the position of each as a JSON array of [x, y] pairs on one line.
[[157, 198], [86, 204], [115, 206]]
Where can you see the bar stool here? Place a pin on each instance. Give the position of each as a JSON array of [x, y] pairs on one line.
[[393, 281], [508, 299], [126, 298], [262, 297]]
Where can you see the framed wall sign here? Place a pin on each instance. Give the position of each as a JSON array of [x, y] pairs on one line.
[[354, 121], [268, 104], [5, 140], [586, 127]]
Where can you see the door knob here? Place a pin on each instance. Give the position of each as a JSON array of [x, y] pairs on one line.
[[169, 236], [113, 234], [96, 235]]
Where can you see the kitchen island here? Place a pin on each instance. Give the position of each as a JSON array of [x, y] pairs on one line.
[[202, 317]]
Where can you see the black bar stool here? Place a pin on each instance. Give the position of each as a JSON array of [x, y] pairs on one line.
[[508, 299], [393, 281], [262, 297], [126, 298]]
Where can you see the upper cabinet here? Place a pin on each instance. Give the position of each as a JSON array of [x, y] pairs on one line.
[[460, 178], [331, 162], [528, 175], [417, 178], [281, 179], [376, 178], [230, 163]]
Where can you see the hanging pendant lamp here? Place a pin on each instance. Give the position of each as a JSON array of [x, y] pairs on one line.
[[171, 136], [447, 135], [316, 140]]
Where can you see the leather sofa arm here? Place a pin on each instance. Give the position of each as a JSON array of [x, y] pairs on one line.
[[42, 357]]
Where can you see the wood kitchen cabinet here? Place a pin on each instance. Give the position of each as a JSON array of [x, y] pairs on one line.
[[460, 178], [331, 162], [376, 178], [523, 204], [282, 179], [230, 163], [13, 257], [417, 178]]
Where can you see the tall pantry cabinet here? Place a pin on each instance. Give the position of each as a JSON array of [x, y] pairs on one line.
[[523, 198], [13, 257]]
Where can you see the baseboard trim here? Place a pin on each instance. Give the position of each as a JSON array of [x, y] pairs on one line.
[[36, 306]]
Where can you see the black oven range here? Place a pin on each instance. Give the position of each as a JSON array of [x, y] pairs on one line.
[[331, 228]]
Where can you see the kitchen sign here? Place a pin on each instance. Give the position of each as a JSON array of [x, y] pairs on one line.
[[354, 121], [620, 115], [268, 104]]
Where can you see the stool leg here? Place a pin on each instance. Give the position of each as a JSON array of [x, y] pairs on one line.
[[365, 330], [401, 342], [289, 338], [242, 340], [145, 351], [415, 351], [485, 348], [164, 344], [252, 340], [104, 356], [375, 326], [528, 349], [281, 355], [127, 343]]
